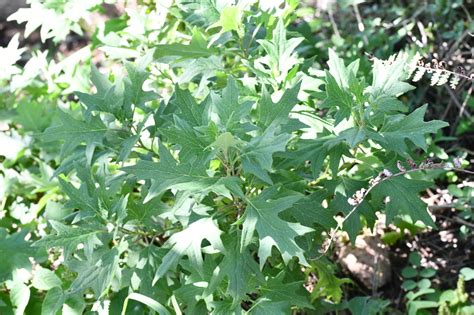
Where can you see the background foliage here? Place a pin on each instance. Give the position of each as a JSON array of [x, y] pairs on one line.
[[214, 156]]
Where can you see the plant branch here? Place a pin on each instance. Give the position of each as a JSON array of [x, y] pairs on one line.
[[376, 183], [456, 101], [360, 24], [333, 22], [461, 75]]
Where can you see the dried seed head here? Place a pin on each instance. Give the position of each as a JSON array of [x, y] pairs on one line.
[[461, 70], [387, 173], [428, 67], [411, 163], [401, 167], [360, 194], [374, 181], [352, 202], [428, 163], [457, 162]]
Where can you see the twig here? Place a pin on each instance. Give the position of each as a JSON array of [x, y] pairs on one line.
[[424, 38], [333, 22], [456, 101], [441, 207], [429, 69], [463, 7], [446, 111], [445, 206], [360, 24], [462, 110], [411, 18], [456, 44], [463, 106], [459, 220]]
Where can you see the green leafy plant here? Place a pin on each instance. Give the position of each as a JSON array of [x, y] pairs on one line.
[[421, 295], [215, 167], [211, 173], [56, 19]]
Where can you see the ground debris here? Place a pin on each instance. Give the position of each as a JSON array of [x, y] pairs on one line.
[[367, 261]]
